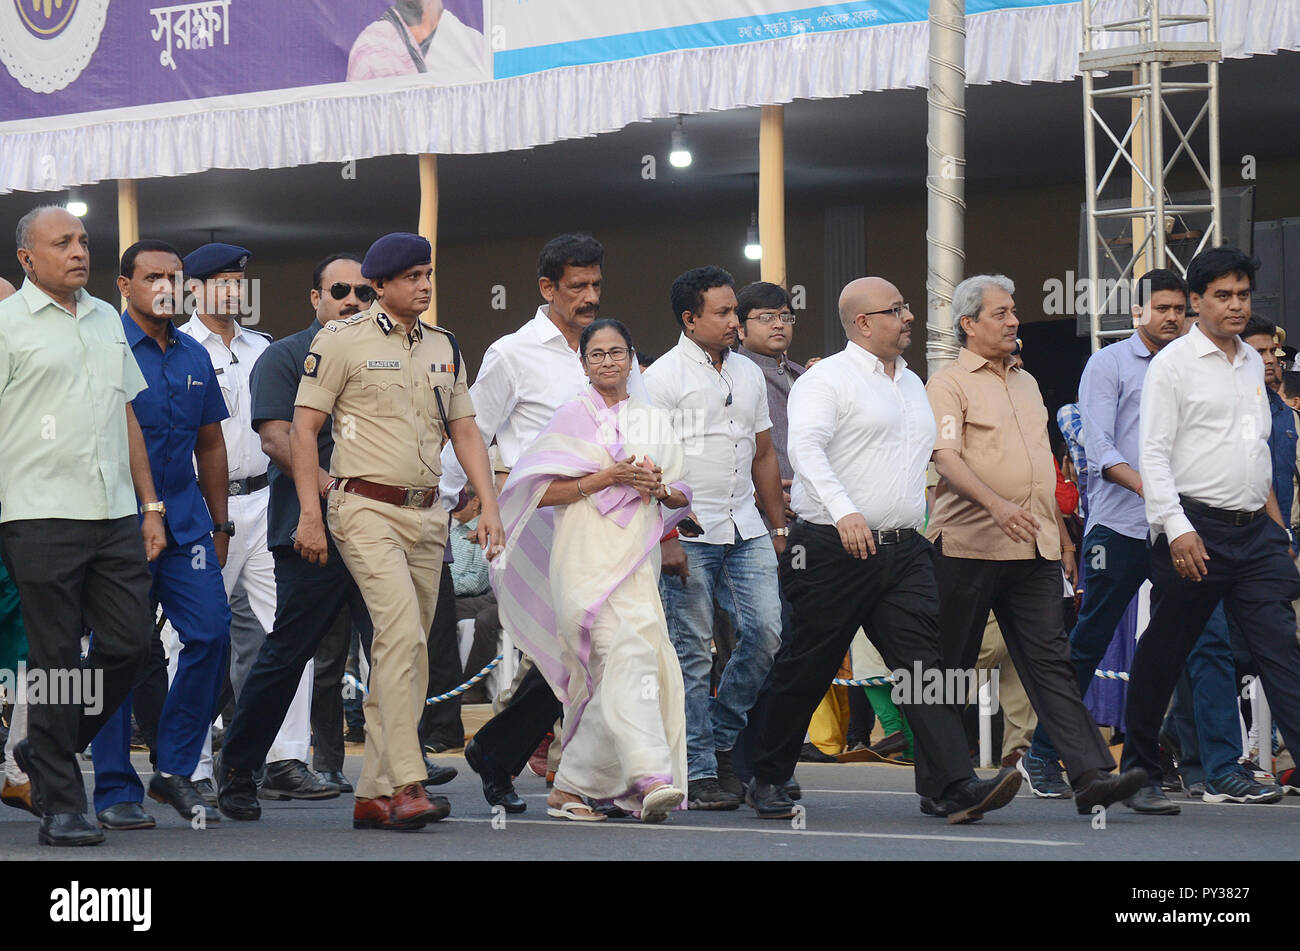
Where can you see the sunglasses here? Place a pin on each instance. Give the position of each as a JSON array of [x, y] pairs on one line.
[[365, 293]]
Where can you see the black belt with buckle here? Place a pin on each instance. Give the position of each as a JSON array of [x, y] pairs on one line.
[[1220, 515], [888, 536], [249, 485], [893, 536]]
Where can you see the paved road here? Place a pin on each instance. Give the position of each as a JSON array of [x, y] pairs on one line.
[[853, 812]]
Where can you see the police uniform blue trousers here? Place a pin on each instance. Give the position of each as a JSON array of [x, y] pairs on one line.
[[187, 582]]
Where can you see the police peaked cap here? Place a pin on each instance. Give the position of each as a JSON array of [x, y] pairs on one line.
[[394, 253], [210, 259]]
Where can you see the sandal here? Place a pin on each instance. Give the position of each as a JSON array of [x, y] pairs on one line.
[[660, 801], [568, 810]]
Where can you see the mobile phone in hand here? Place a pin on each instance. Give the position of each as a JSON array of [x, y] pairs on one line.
[[689, 528]]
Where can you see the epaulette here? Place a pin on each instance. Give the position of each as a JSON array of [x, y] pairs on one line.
[[334, 326], [259, 333]]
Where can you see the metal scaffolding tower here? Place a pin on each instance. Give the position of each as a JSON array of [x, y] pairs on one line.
[[1116, 260]]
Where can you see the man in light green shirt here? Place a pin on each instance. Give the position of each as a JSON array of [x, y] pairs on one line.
[[72, 467]]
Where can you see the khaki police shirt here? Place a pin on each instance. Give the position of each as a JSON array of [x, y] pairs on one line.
[[998, 424], [382, 385]]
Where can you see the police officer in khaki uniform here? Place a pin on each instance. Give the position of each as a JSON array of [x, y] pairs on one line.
[[396, 389]]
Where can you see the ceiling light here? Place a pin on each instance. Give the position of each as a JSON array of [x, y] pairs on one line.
[[76, 206], [753, 250], [680, 156]]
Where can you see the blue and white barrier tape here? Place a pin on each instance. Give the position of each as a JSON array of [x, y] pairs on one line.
[[455, 692]]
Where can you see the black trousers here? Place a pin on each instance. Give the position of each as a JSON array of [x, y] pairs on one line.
[[510, 737], [440, 723], [892, 596], [1025, 597], [327, 753], [73, 574], [308, 601], [1251, 571]]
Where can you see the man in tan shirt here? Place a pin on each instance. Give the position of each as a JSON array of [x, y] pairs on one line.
[[396, 388], [1001, 539]]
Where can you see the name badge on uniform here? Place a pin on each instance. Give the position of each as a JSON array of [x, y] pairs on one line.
[[443, 367], [220, 370], [383, 364]]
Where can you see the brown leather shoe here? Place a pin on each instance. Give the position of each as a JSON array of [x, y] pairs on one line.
[[371, 813], [19, 796], [410, 808]]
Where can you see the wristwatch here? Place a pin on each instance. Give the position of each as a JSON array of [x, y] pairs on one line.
[[782, 532], [158, 507], [225, 528]]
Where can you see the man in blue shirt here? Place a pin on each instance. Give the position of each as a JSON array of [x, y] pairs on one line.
[[1114, 553], [1260, 336], [180, 415]]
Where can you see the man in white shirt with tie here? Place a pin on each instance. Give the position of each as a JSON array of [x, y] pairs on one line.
[[525, 377], [718, 401], [217, 273], [1218, 533], [861, 433]]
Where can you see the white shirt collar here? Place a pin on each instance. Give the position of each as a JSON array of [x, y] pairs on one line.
[[697, 354], [1204, 346], [547, 332], [877, 365]]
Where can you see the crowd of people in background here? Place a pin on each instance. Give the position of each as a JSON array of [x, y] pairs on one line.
[[688, 549]]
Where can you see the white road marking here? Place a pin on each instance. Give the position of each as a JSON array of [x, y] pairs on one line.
[[804, 832]]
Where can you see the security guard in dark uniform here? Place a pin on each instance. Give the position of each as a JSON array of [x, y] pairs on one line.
[[396, 388]]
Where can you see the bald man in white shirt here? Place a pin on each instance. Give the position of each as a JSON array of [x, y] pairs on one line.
[[861, 432]]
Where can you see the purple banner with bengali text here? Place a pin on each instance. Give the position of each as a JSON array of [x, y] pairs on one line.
[[61, 57]]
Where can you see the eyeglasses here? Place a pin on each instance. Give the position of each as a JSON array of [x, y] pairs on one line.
[[617, 354], [896, 310], [785, 317], [365, 293]]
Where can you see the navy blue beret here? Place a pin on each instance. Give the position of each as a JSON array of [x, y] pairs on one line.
[[210, 259], [394, 253]]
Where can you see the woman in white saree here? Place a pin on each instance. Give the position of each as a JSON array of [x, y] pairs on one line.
[[577, 583]]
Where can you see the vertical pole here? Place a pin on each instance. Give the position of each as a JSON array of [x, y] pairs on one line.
[[1090, 180], [429, 223], [1216, 182], [945, 181], [128, 217], [771, 193], [1140, 112]]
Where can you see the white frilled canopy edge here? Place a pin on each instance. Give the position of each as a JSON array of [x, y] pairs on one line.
[[289, 127]]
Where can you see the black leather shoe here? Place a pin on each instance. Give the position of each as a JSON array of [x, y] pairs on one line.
[[791, 789], [498, 790], [727, 777], [1106, 789], [291, 779], [22, 756], [1151, 801], [336, 777], [438, 775], [236, 793], [968, 800], [811, 754], [208, 790], [68, 829], [179, 793], [770, 802], [124, 816]]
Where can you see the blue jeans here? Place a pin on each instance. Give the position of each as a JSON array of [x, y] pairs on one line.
[[1116, 566], [743, 578], [1204, 714]]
